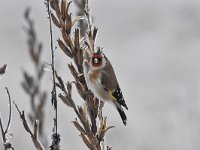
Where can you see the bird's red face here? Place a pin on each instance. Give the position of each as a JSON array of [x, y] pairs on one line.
[[97, 60]]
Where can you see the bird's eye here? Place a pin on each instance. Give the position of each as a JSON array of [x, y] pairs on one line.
[[96, 61]]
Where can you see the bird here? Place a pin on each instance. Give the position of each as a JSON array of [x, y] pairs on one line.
[[102, 81]]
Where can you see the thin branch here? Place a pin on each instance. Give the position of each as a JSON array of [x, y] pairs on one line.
[[32, 83], [54, 93], [10, 111], [34, 138], [36, 128], [6, 143], [56, 137], [2, 132]]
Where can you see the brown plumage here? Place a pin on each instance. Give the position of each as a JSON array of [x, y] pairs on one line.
[[102, 81]]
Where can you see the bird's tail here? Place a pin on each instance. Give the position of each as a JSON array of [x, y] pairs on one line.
[[122, 113]]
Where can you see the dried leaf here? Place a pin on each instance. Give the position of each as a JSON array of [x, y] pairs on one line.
[[66, 100], [77, 51], [43, 97], [69, 88], [67, 9], [41, 71], [67, 39], [68, 23], [55, 21], [26, 13], [95, 33], [55, 5], [80, 89], [93, 104], [59, 86], [103, 128], [87, 142], [77, 19], [63, 9], [76, 40], [87, 44], [28, 79], [93, 140], [3, 69], [60, 80], [110, 127], [79, 127], [74, 72], [83, 114], [64, 48], [79, 56]]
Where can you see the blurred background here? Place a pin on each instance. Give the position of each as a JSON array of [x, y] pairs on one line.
[[154, 46]]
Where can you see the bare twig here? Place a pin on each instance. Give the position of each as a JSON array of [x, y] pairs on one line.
[[56, 137], [32, 83], [6, 143], [54, 97], [10, 111], [34, 134]]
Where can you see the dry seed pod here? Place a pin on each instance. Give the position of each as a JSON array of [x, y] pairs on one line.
[[64, 48], [55, 21], [66, 100], [79, 127]]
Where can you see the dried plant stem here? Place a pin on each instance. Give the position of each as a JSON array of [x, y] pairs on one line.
[[56, 137], [34, 134], [32, 83], [10, 111], [6, 144], [54, 94]]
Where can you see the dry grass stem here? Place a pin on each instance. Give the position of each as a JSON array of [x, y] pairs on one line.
[[32, 83], [6, 143], [34, 134], [55, 136]]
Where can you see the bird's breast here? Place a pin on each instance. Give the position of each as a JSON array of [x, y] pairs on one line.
[[93, 75], [95, 87]]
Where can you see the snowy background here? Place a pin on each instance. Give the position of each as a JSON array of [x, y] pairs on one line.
[[154, 46]]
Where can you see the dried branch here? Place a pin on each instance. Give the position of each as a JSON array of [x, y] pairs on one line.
[[34, 135], [56, 137], [6, 143], [10, 111], [31, 83]]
